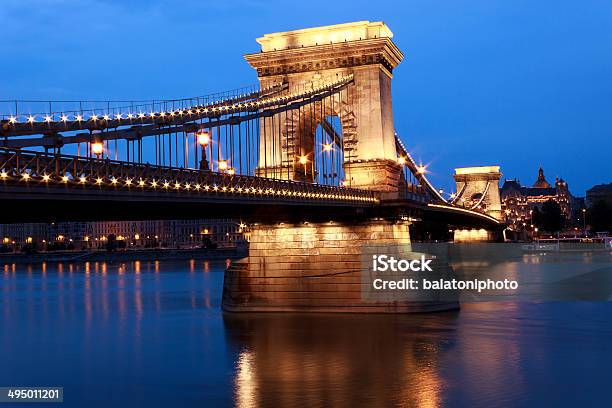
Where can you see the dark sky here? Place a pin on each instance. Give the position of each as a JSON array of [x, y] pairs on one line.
[[515, 83]]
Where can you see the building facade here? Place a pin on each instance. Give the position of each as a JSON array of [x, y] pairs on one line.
[[127, 234], [600, 192], [519, 202]]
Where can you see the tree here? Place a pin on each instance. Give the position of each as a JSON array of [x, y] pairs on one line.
[[550, 216], [599, 216], [111, 242]]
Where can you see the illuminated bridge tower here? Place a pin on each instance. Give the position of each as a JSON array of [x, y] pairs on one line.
[[302, 57], [478, 189], [314, 265]]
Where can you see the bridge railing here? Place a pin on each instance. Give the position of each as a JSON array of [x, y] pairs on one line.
[[20, 167]]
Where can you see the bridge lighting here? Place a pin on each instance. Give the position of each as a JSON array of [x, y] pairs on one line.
[[231, 171], [65, 179], [223, 165], [327, 147], [401, 160], [141, 183], [106, 117], [93, 117], [79, 118], [118, 116], [154, 183], [82, 179], [26, 176], [141, 115], [64, 118], [98, 180], [177, 185], [303, 160], [130, 116], [203, 138], [113, 180], [197, 186], [152, 114], [128, 182], [31, 119], [47, 118], [166, 184], [13, 119], [97, 148], [421, 169], [453, 195], [46, 177]]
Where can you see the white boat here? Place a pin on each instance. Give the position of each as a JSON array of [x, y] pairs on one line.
[[597, 244]]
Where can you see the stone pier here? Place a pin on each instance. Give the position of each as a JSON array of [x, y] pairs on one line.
[[315, 267]]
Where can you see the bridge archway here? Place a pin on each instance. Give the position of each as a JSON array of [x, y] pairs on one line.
[[305, 58]]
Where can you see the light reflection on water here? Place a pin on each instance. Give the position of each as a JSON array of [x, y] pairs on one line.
[[153, 333]]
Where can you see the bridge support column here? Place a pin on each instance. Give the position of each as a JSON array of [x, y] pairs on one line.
[[315, 268]]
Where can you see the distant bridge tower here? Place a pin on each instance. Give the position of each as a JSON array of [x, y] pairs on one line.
[[299, 58], [478, 188]]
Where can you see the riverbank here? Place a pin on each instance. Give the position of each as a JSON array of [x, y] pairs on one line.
[[125, 255]]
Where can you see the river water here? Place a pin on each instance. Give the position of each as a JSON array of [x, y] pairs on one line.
[[152, 334]]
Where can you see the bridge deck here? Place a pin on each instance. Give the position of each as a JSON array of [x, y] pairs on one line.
[[40, 173]]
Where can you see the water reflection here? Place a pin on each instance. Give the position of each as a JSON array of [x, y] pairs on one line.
[[335, 360]]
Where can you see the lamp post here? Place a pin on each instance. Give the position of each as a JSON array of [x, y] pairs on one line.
[[584, 221], [203, 141]]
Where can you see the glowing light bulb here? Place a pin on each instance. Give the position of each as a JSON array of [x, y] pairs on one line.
[[64, 118], [97, 148], [46, 177], [303, 159], [231, 171], [13, 119], [401, 160], [327, 147], [203, 138], [48, 119], [118, 116], [31, 119], [98, 180], [79, 118], [82, 179], [93, 117], [223, 165], [26, 176], [421, 169], [65, 179]]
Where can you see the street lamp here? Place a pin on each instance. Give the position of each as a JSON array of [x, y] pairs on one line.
[[222, 165], [584, 221], [203, 141]]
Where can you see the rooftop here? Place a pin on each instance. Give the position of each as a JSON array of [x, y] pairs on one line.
[[360, 30]]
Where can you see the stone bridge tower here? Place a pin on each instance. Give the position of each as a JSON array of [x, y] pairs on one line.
[[478, 188], [321, 55]]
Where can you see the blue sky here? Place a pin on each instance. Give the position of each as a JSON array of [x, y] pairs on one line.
[[515, 83]]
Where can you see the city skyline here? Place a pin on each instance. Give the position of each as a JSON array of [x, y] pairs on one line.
[[478, 87]]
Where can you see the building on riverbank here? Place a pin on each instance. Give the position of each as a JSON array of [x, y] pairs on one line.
[[519, 202], [224, 233]]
